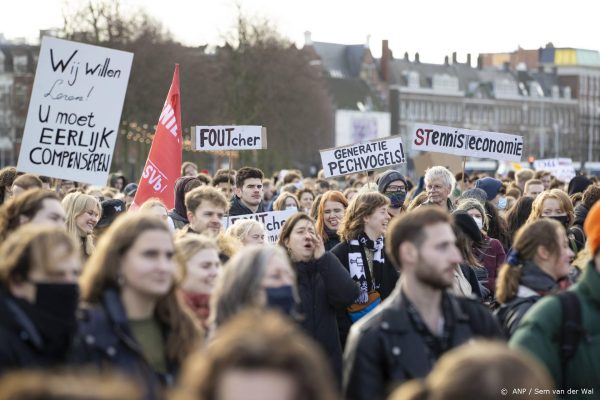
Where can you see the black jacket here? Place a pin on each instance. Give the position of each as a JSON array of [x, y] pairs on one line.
[[22, 345], [237, 208], [576, 229], [105, 340], [385, 349], [323, 285], [178, 221]]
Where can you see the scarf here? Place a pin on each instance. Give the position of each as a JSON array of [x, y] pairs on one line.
[[199, 303]]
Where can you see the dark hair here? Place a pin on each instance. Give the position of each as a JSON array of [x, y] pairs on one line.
[[288, 226], [496, 225], [204, 178], [27, 204], [289, 178], [247, 173], [223, 178], [591, 196], [517, 215], [410, 227]]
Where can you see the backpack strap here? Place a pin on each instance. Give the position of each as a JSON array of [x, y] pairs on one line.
[[571, 329]]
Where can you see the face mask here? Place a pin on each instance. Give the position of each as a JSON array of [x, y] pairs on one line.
[[479, 222], [501, 203], [281, 298], [396, 198], [563, 219]]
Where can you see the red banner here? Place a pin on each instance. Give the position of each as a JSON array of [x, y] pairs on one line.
[[164, 160]]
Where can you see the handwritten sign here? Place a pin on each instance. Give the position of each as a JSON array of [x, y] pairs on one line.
[[74, 112], [273, 221], [468, 143], [561, 168], [243, 137], [363, 156]]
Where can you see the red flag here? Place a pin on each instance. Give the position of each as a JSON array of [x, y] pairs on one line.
[[164, 160]]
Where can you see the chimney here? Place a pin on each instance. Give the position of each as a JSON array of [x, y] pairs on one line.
[[479, 61], [469, 59], [446, 60], [308, 38], [406, 56], [417, 57], [454, 58], [385, 61]]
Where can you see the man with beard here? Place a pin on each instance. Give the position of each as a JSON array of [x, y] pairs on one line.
[[403, 338]]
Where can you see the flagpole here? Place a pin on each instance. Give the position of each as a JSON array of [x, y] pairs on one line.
[[228, 179]]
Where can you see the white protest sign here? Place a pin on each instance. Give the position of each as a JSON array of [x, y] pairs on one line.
[[243, 137], [360, 157], [74, 112], [561, 168], [273, 221], [466, 142]]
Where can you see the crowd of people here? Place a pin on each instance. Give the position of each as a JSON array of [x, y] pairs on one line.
[[453, 286]]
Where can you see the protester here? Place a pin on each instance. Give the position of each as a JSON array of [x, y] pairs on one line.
[[183, 185], [225, 183], [117, 181], [39, 266], [538, 260], [188, 168], [554, 334], [157, 207], [258, 355], [248, 192], [469, 272], [402, 339], [323, 285], [7, 177], [129, 193], [36, 206], [517, 215], [306, 198], [483, 370], [248, 231], [332, 207], [491, 253], [362, 253], [286, 201], [82, 213], [589, 198], [268, 192], [522, 176], [206, 207], [111, 209], [545, 177], [439, 183], [25, 182], [132, 319], [554, 204], [578, 184], [392, 184], [493, 189], [256, 277], [349, 193], [202, 264], [533, 188]]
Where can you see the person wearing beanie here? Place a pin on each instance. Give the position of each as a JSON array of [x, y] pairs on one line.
[[540, 328], [578, 184], [491, 187], [183, 184], [392, 184], [468, 236], [476, 193]]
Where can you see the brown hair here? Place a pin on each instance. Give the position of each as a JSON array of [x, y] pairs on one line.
[[27, 204], [258, 340], [288, 226], [247, 173], [331, 195], [204, 178], [186, 164], [410, 227], [532, 182], [544, 233], [590, 196], [562, 197], [194, 198], [417, 201], [32, 246], [279, 204], [493, 365], [28, 181], [361, 206], [102, 271]]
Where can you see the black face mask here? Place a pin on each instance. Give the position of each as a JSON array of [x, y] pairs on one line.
[[281, 298], [563, 219]]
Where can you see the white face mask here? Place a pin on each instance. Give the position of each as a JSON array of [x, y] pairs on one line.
[[479, 222]]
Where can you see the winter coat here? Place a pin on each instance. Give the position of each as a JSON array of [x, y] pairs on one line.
[[238, 208], [323, 286], [385, 275], [105, 340], [576, 230], [384, 349], [534, 284], [492, 256], [178, 221], [333, 239], [539, 334]]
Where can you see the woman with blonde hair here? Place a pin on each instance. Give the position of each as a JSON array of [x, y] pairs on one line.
[[82, 213], [200, 255], [248, 231], [132, 319], [537, 262], [332, 208], [286, 200], [554, 204], [156, 207]]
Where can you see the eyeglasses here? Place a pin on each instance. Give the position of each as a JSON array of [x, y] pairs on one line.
[[394, 188]]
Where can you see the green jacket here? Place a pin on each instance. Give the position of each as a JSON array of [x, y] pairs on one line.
[[539, 333]]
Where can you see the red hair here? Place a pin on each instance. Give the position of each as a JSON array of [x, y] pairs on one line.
[[331, 195]]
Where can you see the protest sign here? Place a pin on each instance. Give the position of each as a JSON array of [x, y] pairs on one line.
[[428, 160], [74, 112], [561, 168], [360, 157], [243, 137], [465, 142], [273, 221]]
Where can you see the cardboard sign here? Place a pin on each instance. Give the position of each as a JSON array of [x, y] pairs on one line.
[[468, 143], [243, 137], [74, 112], [273, 221], [428, 160], [561, 168], [360, 157]]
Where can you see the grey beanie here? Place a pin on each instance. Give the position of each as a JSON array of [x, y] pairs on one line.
[[388, 177]]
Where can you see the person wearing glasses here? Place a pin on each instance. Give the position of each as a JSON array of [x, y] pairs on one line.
[[439, 183], [392, 184]]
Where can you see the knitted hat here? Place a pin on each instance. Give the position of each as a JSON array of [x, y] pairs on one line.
[[591, 228], [578, 184], [490, 186], [476, 193], [388, 177]]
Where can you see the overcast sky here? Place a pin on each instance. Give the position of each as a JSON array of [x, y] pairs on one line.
[[434, 28]]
